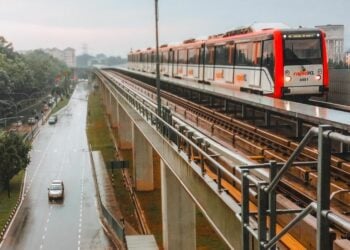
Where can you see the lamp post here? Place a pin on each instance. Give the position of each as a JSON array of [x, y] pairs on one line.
[[159, 104]]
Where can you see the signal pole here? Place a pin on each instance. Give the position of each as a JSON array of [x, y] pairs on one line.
[[159, 104]]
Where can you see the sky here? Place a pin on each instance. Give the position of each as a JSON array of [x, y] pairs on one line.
[[114, 27]]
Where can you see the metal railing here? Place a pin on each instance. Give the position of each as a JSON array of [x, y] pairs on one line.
[[266, 236], [117, 227], [149, 112]]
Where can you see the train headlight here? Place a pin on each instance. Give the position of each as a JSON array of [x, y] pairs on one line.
[[288, 78], [318, 77]]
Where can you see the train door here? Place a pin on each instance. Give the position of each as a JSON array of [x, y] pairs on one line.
[[175, 67], [256, 63], [231, 57], [201, 65], [171, 63], [209, 63], [196, 64], [267, 66]]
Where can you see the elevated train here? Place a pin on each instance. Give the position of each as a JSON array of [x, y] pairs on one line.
[[276, 62]]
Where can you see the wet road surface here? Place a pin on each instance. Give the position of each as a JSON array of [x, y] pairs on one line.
[[60, 151]]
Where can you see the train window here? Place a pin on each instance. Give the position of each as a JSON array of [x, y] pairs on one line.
[[209, 55], [243, 54], [268, 57], [171, 56], [176, 56], [220, 55], [153, 57], [230, 54], [182, 56], [256, 55], [193, 56], [302, 51], [165, 57]]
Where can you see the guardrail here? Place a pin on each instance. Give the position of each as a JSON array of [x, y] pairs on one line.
[[164, 125], [266, 236], [117, 227]]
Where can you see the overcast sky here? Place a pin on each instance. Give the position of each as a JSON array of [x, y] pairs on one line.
[[114, 27]]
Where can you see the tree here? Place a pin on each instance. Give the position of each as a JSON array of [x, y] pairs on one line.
[[14, 156]]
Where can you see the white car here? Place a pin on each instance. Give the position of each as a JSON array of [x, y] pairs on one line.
[[56, 190]]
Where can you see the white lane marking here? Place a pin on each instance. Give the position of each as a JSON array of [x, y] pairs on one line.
[[81, 206], [40, 162], [45, 229]]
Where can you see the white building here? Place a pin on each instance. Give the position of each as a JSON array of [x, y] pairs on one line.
[[347, 58], [335, 41], [67, 55]]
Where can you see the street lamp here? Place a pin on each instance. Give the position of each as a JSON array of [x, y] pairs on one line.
[[159, 104]]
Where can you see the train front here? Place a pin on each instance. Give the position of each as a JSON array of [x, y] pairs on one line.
[[304, 67]]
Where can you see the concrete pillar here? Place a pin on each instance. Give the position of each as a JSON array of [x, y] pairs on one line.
[[178, 213], [142, 154], [124, 129], [114, 113]]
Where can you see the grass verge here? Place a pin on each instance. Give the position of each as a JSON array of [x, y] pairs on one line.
[[63, 102], [7, 204]]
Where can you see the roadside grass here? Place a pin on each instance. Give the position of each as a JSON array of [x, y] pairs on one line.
[[100, 139], [7, 204], [63, 102]]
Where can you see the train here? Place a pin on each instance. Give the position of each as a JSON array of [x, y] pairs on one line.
[[280, 62]]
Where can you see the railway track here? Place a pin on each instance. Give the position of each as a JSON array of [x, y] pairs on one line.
[[262, 145]]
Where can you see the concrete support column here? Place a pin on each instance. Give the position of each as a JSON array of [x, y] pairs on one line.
[[143, 161], [114, 113], [124, 129], [178, 213]]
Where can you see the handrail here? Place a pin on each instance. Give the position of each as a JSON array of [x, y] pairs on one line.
[[154, 116]]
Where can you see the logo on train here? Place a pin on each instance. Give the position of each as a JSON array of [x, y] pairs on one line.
[[304, 73], [241, 77]]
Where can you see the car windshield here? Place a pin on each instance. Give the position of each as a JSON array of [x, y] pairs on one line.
[[55, 187], [302, 51]]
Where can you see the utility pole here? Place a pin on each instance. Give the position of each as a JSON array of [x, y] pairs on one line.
[[159, 104]]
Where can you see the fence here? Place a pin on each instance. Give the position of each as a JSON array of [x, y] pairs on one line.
[[112, 222]]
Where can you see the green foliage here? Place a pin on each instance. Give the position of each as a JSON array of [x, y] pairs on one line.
[[34, 70], [14, 156], [85, 60]]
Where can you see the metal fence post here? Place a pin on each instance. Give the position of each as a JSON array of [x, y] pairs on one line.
[[245, 209], [272, 203], [323, 187], [262, 208]]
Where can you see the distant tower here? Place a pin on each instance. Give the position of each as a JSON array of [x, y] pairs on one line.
[[85, 49]]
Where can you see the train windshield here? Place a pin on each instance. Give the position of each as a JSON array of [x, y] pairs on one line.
[[302, 51]]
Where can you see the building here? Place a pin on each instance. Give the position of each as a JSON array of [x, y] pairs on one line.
[[67, 55], [347, 58], [335, 41]]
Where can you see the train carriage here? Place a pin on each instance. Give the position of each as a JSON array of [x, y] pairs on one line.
[[278, 62]]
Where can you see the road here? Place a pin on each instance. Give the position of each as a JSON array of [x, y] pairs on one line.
[[60, 151]]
